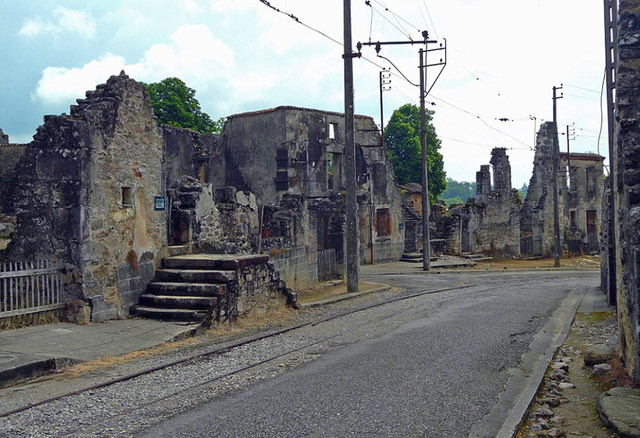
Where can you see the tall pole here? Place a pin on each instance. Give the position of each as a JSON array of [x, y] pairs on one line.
[[426, 250], [381, 111], [351, 219], [611, 46], [556, 215], [568, 160]]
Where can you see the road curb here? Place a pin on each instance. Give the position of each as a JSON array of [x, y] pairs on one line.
[[523, 384]]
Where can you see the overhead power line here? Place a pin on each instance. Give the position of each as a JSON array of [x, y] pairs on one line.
[[297, 20]]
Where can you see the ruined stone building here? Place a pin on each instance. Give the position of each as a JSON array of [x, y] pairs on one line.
[[494, 219], [104, 192], [626, 186], [84, 194], [580, 189], [488, 223], [10, 153], [296, 156], [582, 184]]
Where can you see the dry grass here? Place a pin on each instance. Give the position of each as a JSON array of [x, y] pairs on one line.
[[111, 361], [616, 376], [4, 243], [266, 313], [331, 289], [16, 322], [579, 263]]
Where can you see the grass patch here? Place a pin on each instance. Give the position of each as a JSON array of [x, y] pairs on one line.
[[331, 289], [593, 317]]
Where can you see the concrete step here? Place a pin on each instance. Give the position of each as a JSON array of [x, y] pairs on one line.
[[186, 289], [415, 258], [482, 259], [171, 314], [214, 261], [474, 256], [178, 250], [178, 302], [195, 275]]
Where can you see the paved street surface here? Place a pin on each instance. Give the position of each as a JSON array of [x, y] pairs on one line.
[[458, 361]]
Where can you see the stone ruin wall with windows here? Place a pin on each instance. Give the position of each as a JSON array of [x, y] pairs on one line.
[[84, 195], [627, 185]]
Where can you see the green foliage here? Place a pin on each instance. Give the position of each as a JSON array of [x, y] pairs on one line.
[[402, 137], [462, 190], [523, 191], [450, 201], [175, 104]]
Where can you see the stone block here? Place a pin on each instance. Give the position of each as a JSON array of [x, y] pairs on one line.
[[619, 409]]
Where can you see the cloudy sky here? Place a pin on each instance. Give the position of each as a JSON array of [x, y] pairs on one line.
[[504, 57]]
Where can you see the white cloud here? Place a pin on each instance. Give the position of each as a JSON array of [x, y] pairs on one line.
[[193, 54], [230, 5], [65, 20], [59, 84]]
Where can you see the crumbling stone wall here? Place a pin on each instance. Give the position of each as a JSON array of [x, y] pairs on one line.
[[490, 222], [289, 150], [220, 221], [190, 153], [582, 185], [627, 184], [10, 154], [85, 191], [536, 224]]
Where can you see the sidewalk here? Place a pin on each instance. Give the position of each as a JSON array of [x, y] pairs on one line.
[[38, 350]]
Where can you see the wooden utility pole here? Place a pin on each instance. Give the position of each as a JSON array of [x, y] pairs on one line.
[[611, 59], [352, 250], [424, 91], [556, 150], [426, 247]]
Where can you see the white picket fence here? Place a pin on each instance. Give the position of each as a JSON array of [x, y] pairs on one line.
[[29, 287]]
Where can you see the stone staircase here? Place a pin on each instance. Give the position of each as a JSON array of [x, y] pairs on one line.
[[476, 257], [415, 257], [206, 288]]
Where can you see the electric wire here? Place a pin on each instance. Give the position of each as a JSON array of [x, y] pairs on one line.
[[433, 26], [397, 17], [397, 26], [297, 20]]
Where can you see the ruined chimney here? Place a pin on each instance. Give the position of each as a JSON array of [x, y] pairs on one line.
[[4, 138], [501, 170], [483, 183]]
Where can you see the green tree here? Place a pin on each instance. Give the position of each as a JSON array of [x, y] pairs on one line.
[[175, 104], [463, 190], [402, 137], [523, 191]]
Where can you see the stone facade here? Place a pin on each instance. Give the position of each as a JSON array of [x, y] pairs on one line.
[[627, 184], [214, 221], [9, 156], [582, 186], [490, 222], [298, 151], [85, 191], [537, 237]]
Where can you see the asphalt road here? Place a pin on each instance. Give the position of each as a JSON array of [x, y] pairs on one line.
[[453, 363]]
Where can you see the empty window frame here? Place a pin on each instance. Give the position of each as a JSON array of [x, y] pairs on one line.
[[383, 222], [127, 197], [333, 131]]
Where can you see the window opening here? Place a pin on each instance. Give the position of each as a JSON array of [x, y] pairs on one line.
[[383, 222], [127, 197], [333, 128]]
